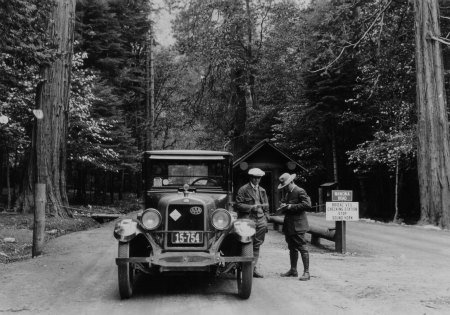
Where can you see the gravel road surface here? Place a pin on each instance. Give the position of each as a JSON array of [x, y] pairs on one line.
[[388, 269]]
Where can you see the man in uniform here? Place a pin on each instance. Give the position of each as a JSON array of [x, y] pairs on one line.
[[252, 203], [295, 202]]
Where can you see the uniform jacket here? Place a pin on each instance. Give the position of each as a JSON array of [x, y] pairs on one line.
[[295, 220], [246, 197]]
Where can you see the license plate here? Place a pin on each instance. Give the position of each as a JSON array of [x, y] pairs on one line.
[[187, 237]]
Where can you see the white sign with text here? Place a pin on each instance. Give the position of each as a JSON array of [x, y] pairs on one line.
[[342, 211]]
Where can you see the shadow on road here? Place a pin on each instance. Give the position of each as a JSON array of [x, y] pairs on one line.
[[168, 284]]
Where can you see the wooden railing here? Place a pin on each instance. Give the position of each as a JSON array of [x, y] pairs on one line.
[[316, 232]]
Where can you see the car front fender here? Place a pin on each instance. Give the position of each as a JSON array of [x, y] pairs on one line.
[[244, 229], [125, 230]]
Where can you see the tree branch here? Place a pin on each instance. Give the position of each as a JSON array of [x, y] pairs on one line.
[[354, 45], [440, 39]]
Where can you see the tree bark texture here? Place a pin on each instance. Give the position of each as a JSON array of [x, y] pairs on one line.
[[239, 141], [433, 153], [149, 88], [8, 179], [334, 151], [396, 189], [49, 158]]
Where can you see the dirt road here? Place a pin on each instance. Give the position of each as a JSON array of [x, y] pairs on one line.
[[389, 269]]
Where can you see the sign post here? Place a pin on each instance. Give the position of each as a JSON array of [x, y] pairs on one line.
[[341, 209], [340, 245]]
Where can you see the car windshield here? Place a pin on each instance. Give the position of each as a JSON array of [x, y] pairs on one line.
[[166, 173]]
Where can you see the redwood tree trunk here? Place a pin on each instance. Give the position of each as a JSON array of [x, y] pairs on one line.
[[8, 179], [433, 153], [49, 159], [149, 88]]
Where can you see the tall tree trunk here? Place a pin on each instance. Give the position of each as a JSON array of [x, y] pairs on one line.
[[111, 191], [52, 97], [241, 99], [105, 186], [396, 189], [334, 153], [149, 87], [122, 184], [16, 172], [8, 179], [238, 84], [433, 153], [250, 86], [25, 201], [2, 156]]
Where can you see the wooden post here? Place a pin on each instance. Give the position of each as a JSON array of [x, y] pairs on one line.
[[39, 219], [321, 206], [340, 243], [315, 240], [276, 227]]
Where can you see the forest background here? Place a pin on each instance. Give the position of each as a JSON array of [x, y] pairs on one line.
[[332, 83]]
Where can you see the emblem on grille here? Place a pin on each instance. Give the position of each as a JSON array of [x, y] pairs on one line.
[[196, 210], [175, 215]]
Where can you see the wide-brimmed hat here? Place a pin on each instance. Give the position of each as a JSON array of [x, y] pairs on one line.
[[256, 172], [285, 179]]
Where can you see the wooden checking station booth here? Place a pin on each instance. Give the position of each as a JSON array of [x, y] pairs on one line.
[[273, 161]]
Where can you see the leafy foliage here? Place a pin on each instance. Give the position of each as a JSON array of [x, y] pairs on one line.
[[89, 137], [24, 48], [222, 41], [335, 72], [385, 150]]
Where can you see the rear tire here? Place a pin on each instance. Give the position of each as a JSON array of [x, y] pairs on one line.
[[125, 272], [245, 272]]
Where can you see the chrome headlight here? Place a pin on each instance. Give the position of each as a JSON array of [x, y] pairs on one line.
[[221, 219], [151, 219]]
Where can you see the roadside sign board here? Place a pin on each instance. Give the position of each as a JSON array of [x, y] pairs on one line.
[[342, 195], [342, 211]]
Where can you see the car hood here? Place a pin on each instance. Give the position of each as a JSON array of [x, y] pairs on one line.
[[212, 201]]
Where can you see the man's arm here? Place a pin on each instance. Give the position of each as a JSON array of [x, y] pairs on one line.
[[241, 204], [304, 202]]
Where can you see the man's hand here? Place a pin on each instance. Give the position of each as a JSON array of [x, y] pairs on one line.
[[282, 205], [255, 208]]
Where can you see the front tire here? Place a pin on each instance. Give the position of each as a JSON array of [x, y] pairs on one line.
[[245, 272], [125, 272]]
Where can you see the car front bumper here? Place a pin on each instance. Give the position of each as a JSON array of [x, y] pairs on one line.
[[184, 260]]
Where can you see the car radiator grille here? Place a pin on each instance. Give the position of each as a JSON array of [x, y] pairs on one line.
[[180, 218]]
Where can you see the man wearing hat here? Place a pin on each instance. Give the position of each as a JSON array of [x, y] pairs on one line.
[[252, 203], [295, 201]]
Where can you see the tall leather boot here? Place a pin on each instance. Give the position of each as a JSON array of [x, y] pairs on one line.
[[305, 260], [293, 256], [256, 273]]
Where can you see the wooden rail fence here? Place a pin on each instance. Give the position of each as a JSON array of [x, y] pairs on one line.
[[316, 232]]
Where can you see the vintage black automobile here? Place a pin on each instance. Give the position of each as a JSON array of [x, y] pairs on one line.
[[188, 224]]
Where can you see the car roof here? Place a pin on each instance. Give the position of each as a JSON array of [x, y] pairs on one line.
[[187, 152]]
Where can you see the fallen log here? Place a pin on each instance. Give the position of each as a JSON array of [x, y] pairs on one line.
[[99, 217], [315, 231]]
